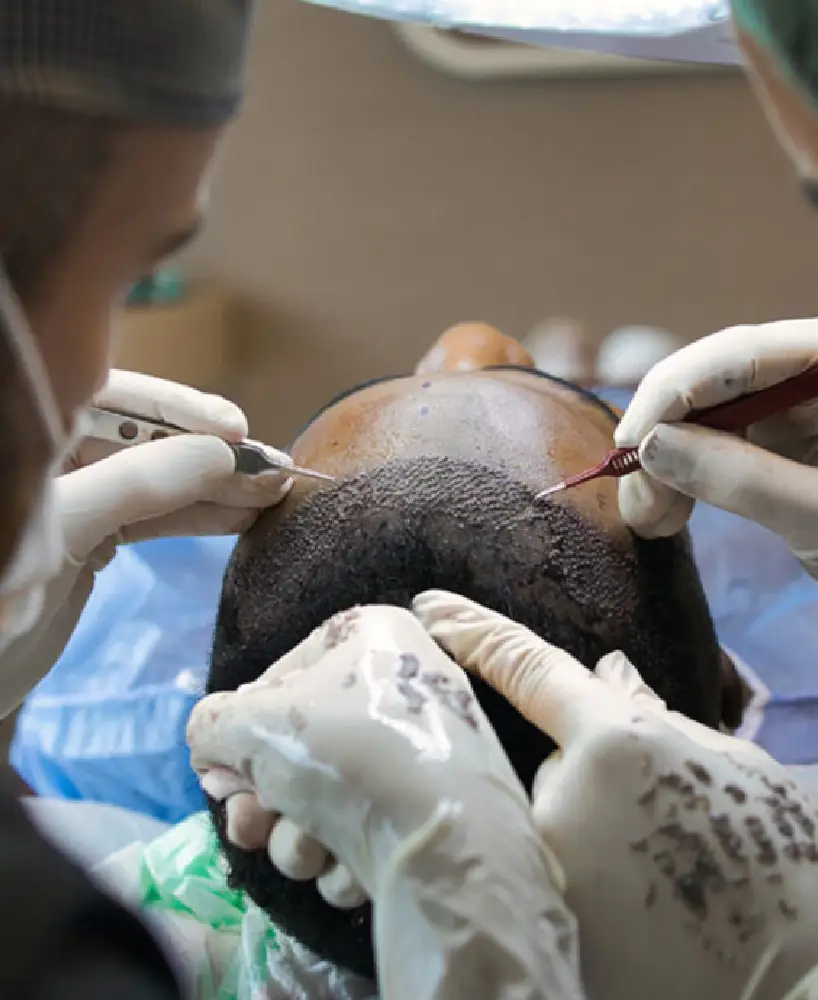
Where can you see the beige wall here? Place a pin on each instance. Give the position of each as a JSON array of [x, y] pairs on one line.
[[365, 202]]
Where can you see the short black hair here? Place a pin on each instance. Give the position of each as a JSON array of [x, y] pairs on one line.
[[392, 532]]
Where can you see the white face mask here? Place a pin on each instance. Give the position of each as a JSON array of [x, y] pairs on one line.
[[41, 548]]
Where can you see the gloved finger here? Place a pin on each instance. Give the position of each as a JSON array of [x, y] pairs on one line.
[[717, 368], [204, 519], [159, 399], [249, 825], [791, 434], [224, 729], [617, 671], [547, 773], [340, 888], [737, 476], [295, 853], [254, 492], [545, 684], [652, 509], [200, 520], [239, 742], [135, 484]]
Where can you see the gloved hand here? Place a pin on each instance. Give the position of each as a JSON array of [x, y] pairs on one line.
[[183, 485], [690, 857], [769, 477], [370, 740]]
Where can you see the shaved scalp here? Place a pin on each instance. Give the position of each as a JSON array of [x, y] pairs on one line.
[[388, 534]]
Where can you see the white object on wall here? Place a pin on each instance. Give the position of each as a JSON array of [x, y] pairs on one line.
[[473, 58], [626, 355]]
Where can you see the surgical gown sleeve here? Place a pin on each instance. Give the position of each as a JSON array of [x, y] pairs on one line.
[[62, 937]]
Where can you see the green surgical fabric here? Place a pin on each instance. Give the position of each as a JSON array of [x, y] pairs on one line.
[[183, 874]]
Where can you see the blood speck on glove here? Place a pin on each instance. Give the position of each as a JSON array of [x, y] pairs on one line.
[[690, 800], [801, 852], [807, 824], [691, 866], [464, 702], [747, 924], [563, 930], [649, 448], [340, 627], [415, 699], [648, 797], [767, 854], [677, 783], [408, 666], [456, 699], [297, 719], [727, 837], [699, 772]]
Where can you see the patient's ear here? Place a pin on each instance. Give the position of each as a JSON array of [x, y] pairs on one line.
[[468, 347], [735, 695]]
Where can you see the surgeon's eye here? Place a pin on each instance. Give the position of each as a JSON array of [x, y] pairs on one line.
[[809, 188]]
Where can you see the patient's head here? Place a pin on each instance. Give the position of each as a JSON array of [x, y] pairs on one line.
[[437, 478]]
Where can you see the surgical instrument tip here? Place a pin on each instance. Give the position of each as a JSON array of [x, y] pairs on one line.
[[731, 416], [618, 462], [557, 488], [297, 470], [254, 458]]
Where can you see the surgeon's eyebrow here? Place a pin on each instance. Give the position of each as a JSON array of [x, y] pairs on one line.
[[176, 241]]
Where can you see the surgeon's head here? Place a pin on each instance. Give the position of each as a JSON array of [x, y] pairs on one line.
[[109, 117], [437, 477], [779, 39]]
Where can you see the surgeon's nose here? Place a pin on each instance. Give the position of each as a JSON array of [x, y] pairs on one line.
[[468, 347]]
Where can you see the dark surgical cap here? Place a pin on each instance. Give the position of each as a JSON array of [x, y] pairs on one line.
[[167, 62]]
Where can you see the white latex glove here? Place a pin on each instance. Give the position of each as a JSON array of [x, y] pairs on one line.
[[690, 857], [369, 739], [183, 485], [768, 478]]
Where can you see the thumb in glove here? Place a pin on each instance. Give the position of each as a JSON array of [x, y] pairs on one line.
[[98, 501], [694, 463]]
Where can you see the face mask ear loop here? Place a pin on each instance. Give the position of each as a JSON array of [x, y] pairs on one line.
[[15, 327]]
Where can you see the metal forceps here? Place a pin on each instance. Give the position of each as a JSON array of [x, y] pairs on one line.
[[253, 458]]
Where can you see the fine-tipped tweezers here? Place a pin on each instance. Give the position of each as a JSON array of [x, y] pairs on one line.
[[731, 416], [253, 458]]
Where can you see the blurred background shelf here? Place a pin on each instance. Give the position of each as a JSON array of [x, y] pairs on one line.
[[193, 340]]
